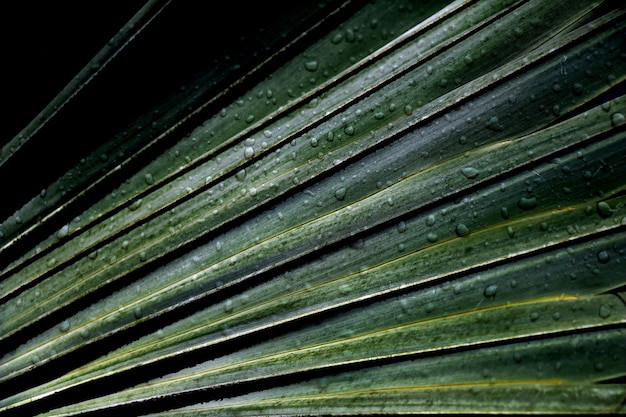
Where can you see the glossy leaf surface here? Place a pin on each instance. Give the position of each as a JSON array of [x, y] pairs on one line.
[[396, 213]]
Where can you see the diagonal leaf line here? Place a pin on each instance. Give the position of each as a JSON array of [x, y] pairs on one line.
[[234, 335], [111, 238], [595, 25], [185, 120], [419, 29], [361, 337], [449, 389], [389, 292], [488, 149], [176, 379], [169, 131], [368, 362], [391, 270], [410, 388], [263, 123]]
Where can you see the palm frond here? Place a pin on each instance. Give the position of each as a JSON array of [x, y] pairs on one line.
[[398, 208]]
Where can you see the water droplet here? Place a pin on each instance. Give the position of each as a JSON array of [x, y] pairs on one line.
[[468, 59], [379, 115], [469, 172], [603, 257], [149, 179], [135, 204], [340, 194], [490, 291], [248, 152], [350, 36], [228, 306], [63, 232], [462, 230], [494, 125], [310, 65], [65, 326], [218, 246], [604, 210], [314, 142], [241, 175], [618, 119], [604, 311], [556, 316], [432, 237], [430, 220], [137, 312], [349, 130], [504, 212], [510, 231], [337, 38], [402, 227], [527, 203], [534, 316], [250, 118], [125, 244]]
